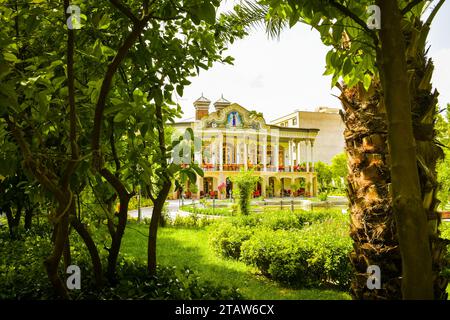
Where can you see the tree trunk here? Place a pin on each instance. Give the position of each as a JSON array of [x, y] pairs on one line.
[[117, 238], [80, 228], [424, 106], [28, 218], [13, 220], [10, 219], [410, 217], [52, 262], [158, 206], [373, 227], [66, 253]]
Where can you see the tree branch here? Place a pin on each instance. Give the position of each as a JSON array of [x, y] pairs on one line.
[[347, 12], [106, 84], [71, 165], [126, 11], [434, 13], [113, 147], [30, 162], [122, 192], [410, 6]]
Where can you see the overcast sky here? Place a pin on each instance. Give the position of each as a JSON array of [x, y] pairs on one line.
[[276, 77]]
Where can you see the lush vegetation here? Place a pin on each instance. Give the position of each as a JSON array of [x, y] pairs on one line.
[[331, 177], [84, 113], [209, 210], [23, 276], [245, 182], [83, 129], [443, 129], [189, 247], [300, 248]]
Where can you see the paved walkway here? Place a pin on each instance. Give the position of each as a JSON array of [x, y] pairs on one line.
[[174, 206]]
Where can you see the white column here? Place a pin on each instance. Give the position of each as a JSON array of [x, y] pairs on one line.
[[265, 153], [307, 155], [291, 155], [312, 155], [220, 151], [299, 147], [245, 153], [275, 154], [200, 157], [238, 151]]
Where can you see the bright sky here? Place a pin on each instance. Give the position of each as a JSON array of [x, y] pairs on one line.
[[276, 77]]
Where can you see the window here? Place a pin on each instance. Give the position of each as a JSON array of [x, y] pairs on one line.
[[294, 121]]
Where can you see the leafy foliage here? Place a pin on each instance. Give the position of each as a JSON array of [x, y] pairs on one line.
[[314, 256], [207, 211], [191, 221], [22, 275], [443, 168], [245, 182], [303, 248]]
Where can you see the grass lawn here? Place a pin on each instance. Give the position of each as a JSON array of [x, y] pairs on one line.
[[185, 247]]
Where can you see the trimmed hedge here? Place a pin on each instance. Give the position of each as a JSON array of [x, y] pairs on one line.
[[226, 239], [191, 221], [207, 211], [302, 248], [285, 219], [311, 257]]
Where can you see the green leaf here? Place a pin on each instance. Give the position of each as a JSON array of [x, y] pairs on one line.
[[347, 67], [367, 81], [207, 12], [121, 116], [180, 90], [104, 22], [198, 170], [8, 56]]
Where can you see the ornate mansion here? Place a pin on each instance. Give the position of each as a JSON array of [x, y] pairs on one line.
[[234, 138]]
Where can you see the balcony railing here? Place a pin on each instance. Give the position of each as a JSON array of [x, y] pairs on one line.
[[257, 167]]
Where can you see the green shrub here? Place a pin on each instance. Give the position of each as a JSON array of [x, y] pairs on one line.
[[285, 219], [323, 196], [226, 239], [445, 234], [311, 257], [207, 211], [133, 204], [192, 221], [245, 182]]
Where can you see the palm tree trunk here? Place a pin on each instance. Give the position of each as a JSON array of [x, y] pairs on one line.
[[373, 228], [372, 224], [424, 111]]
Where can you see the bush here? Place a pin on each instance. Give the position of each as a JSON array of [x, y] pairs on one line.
[[133, 204], [301, 248], [245, 182], [192, 221], [310, 257], [323, 196], [445, 234], [285, 219], [207, 211], [226, 239]]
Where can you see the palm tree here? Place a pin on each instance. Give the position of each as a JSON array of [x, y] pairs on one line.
[[372, 225]]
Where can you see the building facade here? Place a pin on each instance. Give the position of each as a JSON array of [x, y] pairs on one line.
[[233, 138], [330, 139]]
